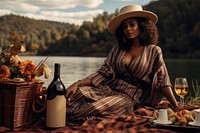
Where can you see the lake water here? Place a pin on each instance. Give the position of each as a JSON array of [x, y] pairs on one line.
[[75, 68], [72, 68]]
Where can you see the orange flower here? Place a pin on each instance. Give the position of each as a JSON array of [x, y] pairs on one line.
[[27, 68], [4, 72]]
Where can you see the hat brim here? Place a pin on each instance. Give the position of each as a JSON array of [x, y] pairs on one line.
[[115, 22]]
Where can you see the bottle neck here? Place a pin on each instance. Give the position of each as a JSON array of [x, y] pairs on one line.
[[57, 72]]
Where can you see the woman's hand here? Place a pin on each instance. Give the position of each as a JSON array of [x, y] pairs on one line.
[[71, 90], [178, 108]]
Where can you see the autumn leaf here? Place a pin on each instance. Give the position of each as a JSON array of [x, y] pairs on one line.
[[43, 69]]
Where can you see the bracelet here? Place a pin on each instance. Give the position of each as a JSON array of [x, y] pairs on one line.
[[81, 83]]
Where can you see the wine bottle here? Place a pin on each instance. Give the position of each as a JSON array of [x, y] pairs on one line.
[[56, 101]]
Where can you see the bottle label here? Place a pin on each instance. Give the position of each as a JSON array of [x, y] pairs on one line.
[[56, 112]]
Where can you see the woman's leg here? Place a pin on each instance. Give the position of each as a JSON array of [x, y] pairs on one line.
[[90, 101]]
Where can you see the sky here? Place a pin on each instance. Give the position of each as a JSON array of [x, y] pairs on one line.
[[67, 11]]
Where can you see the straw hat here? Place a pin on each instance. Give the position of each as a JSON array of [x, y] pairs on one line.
[[130, 11]]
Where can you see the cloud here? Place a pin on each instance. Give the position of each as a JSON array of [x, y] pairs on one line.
[[67, 17], [127, 0], [55, 10], [136, 1], [81, 15], [56, 4], [90, 3], [18, 6], [5, 11]]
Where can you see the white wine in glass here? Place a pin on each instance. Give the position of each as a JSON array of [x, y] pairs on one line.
[[181, 88]]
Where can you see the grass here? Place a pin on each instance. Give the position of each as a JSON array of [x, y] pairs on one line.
[[194, 96]]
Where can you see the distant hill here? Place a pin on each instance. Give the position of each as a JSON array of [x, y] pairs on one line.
[[38, 33], [179, 31]]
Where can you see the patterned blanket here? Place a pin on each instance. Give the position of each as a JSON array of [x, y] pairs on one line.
[[137, 121]]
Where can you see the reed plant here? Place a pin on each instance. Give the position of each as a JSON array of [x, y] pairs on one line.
[[194, 94]]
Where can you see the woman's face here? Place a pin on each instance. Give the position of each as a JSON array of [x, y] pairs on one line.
[[131, 28]]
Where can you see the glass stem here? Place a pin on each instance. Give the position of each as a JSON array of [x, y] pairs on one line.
[[182, 101]]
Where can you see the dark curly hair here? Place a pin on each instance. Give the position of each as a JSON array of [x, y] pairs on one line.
[[148, 34]]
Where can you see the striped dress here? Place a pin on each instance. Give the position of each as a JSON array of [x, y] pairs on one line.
[[118, 88]]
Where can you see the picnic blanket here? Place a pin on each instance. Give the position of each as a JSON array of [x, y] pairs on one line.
[[133, 123]]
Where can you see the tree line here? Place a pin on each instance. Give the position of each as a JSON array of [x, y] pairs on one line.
[[178, 25]]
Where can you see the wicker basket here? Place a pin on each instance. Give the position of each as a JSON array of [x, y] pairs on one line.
[[16, 103]]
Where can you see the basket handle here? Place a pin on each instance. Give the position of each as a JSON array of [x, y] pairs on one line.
[[40, 99]]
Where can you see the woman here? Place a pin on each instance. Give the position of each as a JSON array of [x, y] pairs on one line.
[[133, 75]]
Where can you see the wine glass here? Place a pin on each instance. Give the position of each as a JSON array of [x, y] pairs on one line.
[[181, 88]]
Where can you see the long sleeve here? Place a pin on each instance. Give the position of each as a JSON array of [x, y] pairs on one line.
[[106, 73], [160, 78]]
